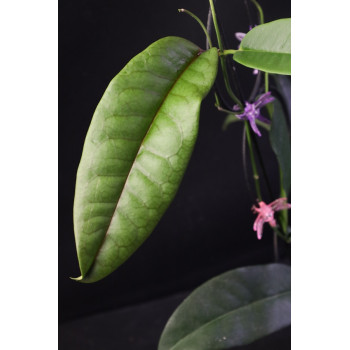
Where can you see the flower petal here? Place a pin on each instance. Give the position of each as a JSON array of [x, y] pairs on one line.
[[258, 226], [241, 116], [279, 204], [236, 108], [239, 35], [264, 99], [254, 127], [272, 222], [263, 119]]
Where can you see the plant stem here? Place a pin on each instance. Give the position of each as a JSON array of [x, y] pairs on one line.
[[228, 52], [256, 87], [261, 13], [245, 167], [275, 246], [266, 82], [208, 42], [248, 13], [200, 23], [283, 214], [209, 27], [217, 99], [261, 161], [222, 58], [213, 13], [252, 159]]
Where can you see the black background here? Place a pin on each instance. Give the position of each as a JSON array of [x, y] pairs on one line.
[[208, 227]]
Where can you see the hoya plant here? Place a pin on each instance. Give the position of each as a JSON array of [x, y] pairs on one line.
[[136, 152]]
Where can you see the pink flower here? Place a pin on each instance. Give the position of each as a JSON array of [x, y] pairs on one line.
[[266, 214]]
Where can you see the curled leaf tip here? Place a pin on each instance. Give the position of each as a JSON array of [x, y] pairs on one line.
[[76, 278]]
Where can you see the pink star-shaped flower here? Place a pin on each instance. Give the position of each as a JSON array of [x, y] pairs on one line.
[[266, 214]]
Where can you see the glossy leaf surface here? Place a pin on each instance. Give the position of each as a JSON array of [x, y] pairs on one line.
[[280, 143], [233, 309], [267, 47], [136, 151]]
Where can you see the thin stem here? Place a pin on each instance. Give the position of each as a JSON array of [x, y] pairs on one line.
[[256, 86], [228, 52], [283, 214], [217, 94], [217, 101], [275, 246], [261, 161], [266, 82], [200, 23], [213, 13], [209, 27], [222, 58], [252, 160], [259, 8], [245, 168], [231, 68], [248, 14]]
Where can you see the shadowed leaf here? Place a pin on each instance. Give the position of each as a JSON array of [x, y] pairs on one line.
[[280, 143], [232, 309]]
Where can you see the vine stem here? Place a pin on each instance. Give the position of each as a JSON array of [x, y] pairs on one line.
[[266, 82], [227, 52], [222, 58], [252, 159], [261, 13], [233, 96], [275, 246], [200, 23]]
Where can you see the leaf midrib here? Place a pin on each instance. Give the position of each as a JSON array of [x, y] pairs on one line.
[[243, 49], [133, 162], [228, 313]]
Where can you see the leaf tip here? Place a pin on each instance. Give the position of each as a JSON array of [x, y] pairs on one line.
[[76, 278]]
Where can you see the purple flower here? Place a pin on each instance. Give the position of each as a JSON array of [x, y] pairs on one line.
[[252, 111], [239, 36]]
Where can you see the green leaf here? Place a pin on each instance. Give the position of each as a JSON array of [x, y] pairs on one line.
[[280, 143], [136, 151], [230, 118], [267, 47], [283, 85], [235, 308]]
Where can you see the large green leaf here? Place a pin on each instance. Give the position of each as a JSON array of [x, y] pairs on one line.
[[235, 308], [280, 143], [136, 151], [267, 47]]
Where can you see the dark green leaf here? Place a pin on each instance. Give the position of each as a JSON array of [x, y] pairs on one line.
[[235, 308], [284, 88], [280, 143], [267, 47], [136, 151]]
